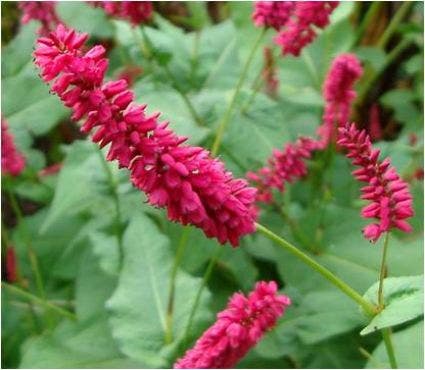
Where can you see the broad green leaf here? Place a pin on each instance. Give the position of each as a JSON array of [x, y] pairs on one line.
[[18, 52], [85, 18], [49, 246], [408, 347], [34, 109], [93, 287], [312, 318], [86, 344], [81, 182], [106, 248], [403, 299], [139, 305]]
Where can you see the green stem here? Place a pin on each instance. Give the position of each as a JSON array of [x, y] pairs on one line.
[[345, 288], [41, 302], [227, 115], [395, 21], [205, 279], [174, 82], [170, 306], [31, 254], [382, 272], [258, 83], [386, 335], [371, 12], [118, 224]]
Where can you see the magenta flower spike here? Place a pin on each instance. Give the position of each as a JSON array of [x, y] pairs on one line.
[[238, 329], [299, 29], [284, 166], [136, 12], [195, 188], [43, 11], [389, 196], [272, 14], [12, 161], [339, 95]]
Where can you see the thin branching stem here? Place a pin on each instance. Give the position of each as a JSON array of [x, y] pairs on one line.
[[228, 113], [330, 276]]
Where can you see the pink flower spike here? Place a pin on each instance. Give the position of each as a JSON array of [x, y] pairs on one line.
[[283, 166], [339, 95], [273, 14], [12, 161], [194, 188], [299, 29], [43, 11], [391, 201], [238, 329], [136, 12]]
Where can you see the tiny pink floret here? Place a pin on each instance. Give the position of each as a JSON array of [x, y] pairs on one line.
[[194, 188], [238, 329], [389, 196]]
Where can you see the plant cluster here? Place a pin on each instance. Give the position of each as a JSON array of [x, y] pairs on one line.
[[124, 235]]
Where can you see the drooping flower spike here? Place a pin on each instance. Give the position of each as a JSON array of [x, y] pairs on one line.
[[135, 12], [195, 188], [12, 161], [294, 20], [284, 166], [238, 329], [43, 11], [339, 94], [391, 201], [299, 29]]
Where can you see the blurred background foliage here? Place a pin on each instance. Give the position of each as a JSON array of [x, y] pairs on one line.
[[64, 222]]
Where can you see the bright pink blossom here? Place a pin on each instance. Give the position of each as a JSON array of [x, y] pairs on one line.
[[299, 30], [283, 166], [391, 201], [273, 14], [238, 328], [43, 11], [12, 161], [339, 94], [136, 12], [195, 188]]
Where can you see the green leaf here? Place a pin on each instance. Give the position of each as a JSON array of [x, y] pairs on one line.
[[85, 18], [408, 347], [139, 305], [312, 318], [18, 52], [87, 344], [80, 182], [35, 110], [403, 298]]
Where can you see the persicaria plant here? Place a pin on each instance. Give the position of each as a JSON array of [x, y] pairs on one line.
[[188, 186]]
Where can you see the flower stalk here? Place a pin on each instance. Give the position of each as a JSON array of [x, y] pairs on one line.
[[228, 113], [341, 285]]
